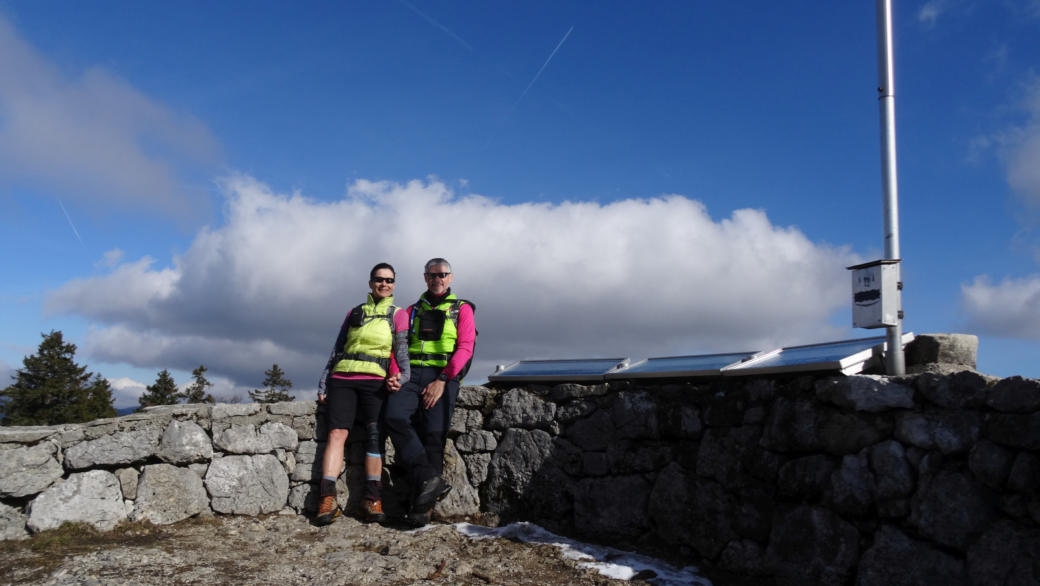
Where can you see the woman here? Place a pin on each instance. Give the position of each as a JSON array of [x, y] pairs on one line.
[[369, 359]]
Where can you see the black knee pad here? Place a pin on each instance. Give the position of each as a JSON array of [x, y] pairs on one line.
[[373, 447]]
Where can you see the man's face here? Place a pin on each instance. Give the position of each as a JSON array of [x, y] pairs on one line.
[[434, 282]]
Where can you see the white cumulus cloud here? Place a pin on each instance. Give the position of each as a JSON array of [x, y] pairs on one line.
[[1009, 309], [636, 278], [95, 137]]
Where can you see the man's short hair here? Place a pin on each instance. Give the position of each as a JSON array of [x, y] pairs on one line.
[[434, 262]]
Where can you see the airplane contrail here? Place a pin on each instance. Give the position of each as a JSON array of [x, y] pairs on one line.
[[74, 231], [436, 24], [538, 74]]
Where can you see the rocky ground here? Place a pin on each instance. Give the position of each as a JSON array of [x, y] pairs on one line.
[[284, 550]]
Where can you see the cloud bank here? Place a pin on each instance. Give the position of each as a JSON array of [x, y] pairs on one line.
[[636, 278], [94, 138], [1010, 309]]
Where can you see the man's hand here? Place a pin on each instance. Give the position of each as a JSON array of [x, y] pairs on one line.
[[321, 398], [432, 393], [393, 384]]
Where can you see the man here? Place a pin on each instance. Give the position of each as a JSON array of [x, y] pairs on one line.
[[441, 335]]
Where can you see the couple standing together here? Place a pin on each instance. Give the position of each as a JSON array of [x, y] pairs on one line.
[[390, 364]]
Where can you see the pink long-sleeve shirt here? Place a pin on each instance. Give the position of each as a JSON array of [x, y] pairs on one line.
[[467, 336]]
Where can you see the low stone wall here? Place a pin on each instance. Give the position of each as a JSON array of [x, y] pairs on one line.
[[812, 480]]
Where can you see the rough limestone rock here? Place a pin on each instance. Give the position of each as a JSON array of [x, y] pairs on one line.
[[128, 482], [32, 433], [224, 411], [119, 449], [574, 411], [475, 397], [167, 494], [303, 498], [465, 420], [12, 524], [476, 441], [28, 471], [522, 409], [897, 560], [184, 442], [951, 432], [893, 477], [1025, 474], [952, 509], [89, 497], [943, 349], [247, 485], [963, 390], [852, 486], [1015, 395], [614, 506], [683, 422], [870, 393], [279, 436], [566, 392], [743, 556], [686, 510], [477, 467], [594, 433], [309, 456], [514, 467], [811, 545], [1016, 431], [245, 439], [635, 416], [990, 463], [294, 408], [463, 499], [726, 454], [793, 426], [1005, 555], [806, 477]]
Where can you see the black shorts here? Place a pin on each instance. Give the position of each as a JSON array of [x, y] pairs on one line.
[[344, 398]]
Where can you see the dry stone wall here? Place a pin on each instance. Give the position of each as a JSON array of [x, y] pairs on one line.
[[928, 478]]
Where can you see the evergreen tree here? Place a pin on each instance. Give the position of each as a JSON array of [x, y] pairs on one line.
[[196, 393], [51, 388], [277, 387], [163, 392]]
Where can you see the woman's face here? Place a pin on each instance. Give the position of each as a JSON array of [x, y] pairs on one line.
[[380, 286]]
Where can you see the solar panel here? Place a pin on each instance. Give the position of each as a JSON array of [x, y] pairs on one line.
[[669, 366], [591, 370], [848, 356]]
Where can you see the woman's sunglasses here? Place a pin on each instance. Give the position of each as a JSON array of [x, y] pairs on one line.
[[389, 280]]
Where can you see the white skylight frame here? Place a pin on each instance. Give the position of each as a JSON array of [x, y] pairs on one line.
[[499, 377], [623, 373], [852, 364]]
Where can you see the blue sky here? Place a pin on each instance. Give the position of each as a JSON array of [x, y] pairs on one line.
[[678, 178]]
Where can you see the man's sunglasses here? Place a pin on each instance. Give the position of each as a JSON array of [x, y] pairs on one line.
[[438, 275], [389, 280]]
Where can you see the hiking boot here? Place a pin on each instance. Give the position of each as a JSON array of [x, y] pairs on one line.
[[418, 519], [373, 511], [429, 493], [328, 510]]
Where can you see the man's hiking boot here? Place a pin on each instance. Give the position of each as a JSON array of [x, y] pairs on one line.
[[328, 510], [429, 493], [418, 519], [373, 511]]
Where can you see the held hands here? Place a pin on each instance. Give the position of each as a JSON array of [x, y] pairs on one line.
[[321, 398], [432, 393], [393, 384]]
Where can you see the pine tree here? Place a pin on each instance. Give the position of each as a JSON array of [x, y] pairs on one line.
[[277, 388], [163, 392], [196, 393], [51, 388]]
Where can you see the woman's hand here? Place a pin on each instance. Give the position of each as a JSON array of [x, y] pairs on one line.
[[393, 383], [321, 398]]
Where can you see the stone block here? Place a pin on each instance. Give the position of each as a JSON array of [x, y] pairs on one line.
[[893, 477], [1016, 431], [595, 464], [245, 439], [852, 486], [199, 468], [952, 509], [304, 426], [593, 433], [743, 556], [567, 456], [726, 454], [568, 391], [990, 463], [793, 426], [811, 545], [1025, 474], [574, 410], [962, 390], [513, 466], [612, 506], [724, 411], [635, 416], [897, 560], [1015, 395], [869, 393], [29, 471], [476, 467], [476, 441], [522, 409], [12, 524], [31, 433], [224, 411], [247, 485], [848, 433], [119, 449], [303, 498], [475, 397], [463, 499], [806, 477], [1005, 555], [294, 408], [185, 442], [951, 432], [465, 420], [686, 510], [92, 497], [942, 348], [167, 494], [128, 478]]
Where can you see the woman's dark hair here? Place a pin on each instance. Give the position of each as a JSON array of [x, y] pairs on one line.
[[381, 265]]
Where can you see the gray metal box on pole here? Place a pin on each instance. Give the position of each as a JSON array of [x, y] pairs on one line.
[[875, 294]]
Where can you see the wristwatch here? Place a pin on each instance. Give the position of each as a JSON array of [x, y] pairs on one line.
[[442, 377]]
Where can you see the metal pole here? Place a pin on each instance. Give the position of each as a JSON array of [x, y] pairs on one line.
[[894, 362]]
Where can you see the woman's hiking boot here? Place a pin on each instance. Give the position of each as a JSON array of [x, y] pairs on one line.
[[328, 510], [373, 511]]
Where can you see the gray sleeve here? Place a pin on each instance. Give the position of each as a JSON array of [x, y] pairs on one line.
[[400, 350]]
